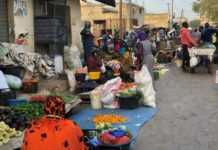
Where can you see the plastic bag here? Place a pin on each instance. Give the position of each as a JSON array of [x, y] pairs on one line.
[[144, 81], [194, 61], [71, 79], [3, 51], [72, 57], [59, 65], [3, 82], [13, 82]]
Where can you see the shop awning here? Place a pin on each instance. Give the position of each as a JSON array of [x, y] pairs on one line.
[[108, 2]]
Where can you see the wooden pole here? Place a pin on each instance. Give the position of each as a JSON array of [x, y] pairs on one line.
[[121, 19], [172, 13], [169, 19], [130, 13]]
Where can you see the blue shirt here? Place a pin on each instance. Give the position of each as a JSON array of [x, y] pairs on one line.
[[207, 35]]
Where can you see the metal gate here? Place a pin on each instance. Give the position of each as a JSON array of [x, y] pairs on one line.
[[4, 35]]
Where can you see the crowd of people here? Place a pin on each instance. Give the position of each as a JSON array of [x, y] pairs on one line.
[[142, 42], [54, 131], [145, 42], [195, 38]]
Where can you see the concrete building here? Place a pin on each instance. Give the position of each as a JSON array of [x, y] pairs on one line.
[[19, 18], [107, 18], [157, 20]]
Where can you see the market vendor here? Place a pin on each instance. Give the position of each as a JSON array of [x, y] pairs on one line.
[[53, 132], [187, 42], [207, 33], [87, 40], [21, 39], [147, 47], [94, 61]]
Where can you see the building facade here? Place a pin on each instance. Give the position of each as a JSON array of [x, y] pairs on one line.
[[107, 18], [157, 20], [17, 16]]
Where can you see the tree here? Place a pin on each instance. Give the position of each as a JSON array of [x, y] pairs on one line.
[[208, 8], [195, 24], [196, 7]]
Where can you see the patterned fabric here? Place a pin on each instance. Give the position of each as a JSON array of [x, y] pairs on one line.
[[53, 134], [54, 106]]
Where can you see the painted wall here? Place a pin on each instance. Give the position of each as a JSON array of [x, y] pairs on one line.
[[25, 24], [76, 23], [91, 12], [156, 20]]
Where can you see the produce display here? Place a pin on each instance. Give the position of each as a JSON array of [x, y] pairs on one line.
[[30, 110], [128, 93], [115, 137], [6, 133], [103, 126], [126, 86], [109, 118], [38, 98], [14, 119], [66, 97]]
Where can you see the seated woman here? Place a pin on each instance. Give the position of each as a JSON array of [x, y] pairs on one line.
[[94, 62], [53, 132]]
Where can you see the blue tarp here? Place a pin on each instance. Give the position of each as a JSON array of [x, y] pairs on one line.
[[136, 118]]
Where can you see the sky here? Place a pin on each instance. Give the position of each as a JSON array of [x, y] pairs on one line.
[[157, 6], [161, 6]]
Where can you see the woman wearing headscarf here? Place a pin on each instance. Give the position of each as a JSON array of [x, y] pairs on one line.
[[53, 132], [147, 47], [87, 40]]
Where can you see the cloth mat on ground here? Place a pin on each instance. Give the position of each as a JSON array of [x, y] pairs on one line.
[[136, 118]]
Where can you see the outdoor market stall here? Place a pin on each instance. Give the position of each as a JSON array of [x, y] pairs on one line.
[[117, 90]]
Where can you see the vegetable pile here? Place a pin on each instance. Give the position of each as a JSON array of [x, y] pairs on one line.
[[66, 97], [30, 110], [6, 133], [109, 118], [13, 118]]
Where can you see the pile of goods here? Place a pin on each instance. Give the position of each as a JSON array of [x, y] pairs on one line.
[[109, 118], [30, 110], [115, 137], [20, 116], [13, 118], [6, 133], [108, 137], [129, 97], [68, 98], [126, 86]]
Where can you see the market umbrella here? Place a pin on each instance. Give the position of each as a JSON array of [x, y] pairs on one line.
[[108, 2]]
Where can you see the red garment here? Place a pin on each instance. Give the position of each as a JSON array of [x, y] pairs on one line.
[[20, 41], [94, 64], [53, 134], [186, 38], [117, 46]]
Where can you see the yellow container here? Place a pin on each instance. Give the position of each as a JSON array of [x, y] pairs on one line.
[[94, 75]]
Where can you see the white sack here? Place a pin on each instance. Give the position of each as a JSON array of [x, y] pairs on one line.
[[144, 81]]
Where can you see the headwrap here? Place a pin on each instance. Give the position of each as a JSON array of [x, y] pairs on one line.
[[54, 106], [142, 36]]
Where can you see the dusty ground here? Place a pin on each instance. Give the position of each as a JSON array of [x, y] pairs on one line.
[[188, 117]]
